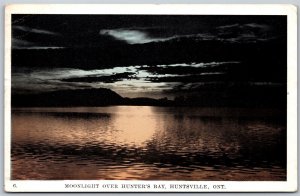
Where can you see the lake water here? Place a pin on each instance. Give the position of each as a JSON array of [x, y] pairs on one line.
[[148, 143]]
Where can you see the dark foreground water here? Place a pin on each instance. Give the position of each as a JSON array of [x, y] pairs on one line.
[[148, 143]]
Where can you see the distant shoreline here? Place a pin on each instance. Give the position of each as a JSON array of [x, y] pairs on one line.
[[106, 97]]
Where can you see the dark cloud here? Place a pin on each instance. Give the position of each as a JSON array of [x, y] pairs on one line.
[[137, 36], [105, 79], [204, 77], [250, 32], [18, 43], [147, 54], [83, 30], [192, 68], [25, 37], [248, 26], [34, 30]]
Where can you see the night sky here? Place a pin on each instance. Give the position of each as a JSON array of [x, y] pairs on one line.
[[149, 55]]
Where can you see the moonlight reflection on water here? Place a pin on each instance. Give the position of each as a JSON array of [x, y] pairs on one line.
[[143, 142]]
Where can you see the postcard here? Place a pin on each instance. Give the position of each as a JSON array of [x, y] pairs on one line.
[[150, 98]]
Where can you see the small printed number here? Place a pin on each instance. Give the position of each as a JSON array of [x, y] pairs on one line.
[[15, 186]]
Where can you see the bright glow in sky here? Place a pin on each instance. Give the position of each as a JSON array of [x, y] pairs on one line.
[[139, 80], [131, 36]]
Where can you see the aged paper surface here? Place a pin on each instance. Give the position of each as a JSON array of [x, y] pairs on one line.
[[150, 98]]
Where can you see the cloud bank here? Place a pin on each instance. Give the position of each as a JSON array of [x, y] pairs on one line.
[[34, 30], [228, 33], [131, 36]]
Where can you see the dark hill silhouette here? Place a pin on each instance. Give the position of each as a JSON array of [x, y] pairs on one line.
[[82, 97], [67, 98], [263, 97]]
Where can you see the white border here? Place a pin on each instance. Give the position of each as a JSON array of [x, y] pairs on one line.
[[164, 9]]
